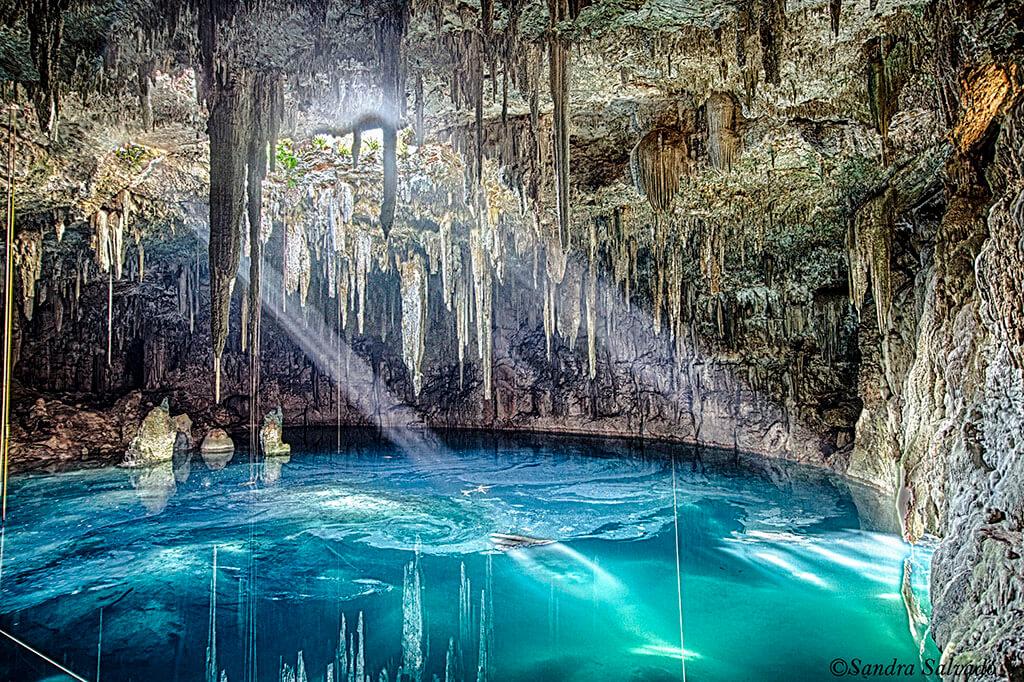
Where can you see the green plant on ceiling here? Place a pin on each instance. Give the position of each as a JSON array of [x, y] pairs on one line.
[[287, 161]]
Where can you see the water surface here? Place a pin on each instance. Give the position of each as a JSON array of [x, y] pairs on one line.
[[782, 568]]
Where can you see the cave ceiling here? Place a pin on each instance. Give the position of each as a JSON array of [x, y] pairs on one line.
[[721, 137]]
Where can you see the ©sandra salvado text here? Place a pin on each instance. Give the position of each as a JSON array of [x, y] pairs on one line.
[[927, 667]]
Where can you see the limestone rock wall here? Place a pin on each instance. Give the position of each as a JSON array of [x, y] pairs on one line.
[[941, 374], [762, 369]]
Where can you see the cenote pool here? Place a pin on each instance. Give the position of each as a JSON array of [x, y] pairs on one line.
[[381, 555]]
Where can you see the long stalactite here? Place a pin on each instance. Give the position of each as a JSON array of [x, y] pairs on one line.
[[558, 76]]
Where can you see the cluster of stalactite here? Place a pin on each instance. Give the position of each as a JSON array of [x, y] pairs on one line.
[[869, 245], [657, 163], [46, 28], [722, 116], [109, 225], [765, 22], [323, 239]]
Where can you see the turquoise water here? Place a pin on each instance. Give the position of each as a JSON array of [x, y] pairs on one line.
[[783, 568]]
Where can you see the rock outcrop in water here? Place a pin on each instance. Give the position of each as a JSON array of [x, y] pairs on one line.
[[786, 228], [270, 435], [158, 437]]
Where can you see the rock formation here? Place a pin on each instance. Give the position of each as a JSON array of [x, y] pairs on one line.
[[158, 436]]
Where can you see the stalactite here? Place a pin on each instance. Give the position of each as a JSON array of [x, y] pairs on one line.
[[869, 247], [550, 324], [558, 74], [462, 319], [657, 163], [266, 91], [28, 263], [389, 201], [359, 275], [357, 144], [591, 300], [144, 74], [771, 32], [569, 315], [46, 29], [420, 104], [483, 297], [722, 114], [392, 33], [888, 64], [227, 128], [413, 280]]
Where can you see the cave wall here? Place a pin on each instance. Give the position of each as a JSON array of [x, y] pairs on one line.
[[765, 369], [941, 377]]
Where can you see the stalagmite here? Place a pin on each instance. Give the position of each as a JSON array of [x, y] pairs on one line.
[[359, 666], [465, 609], [483, 657], [341, 654], [211, 644]]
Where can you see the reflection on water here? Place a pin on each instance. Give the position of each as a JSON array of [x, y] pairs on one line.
[[472, 558]]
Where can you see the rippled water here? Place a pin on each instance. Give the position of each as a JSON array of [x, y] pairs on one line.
[[783, 568]]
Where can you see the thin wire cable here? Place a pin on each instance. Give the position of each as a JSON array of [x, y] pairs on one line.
[[5, 413], [43, 656], [679, 572], [99, 648]]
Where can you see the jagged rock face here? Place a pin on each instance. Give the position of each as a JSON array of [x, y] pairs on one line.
[[943, 387]]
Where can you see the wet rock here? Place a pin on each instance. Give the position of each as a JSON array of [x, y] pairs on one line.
[[155, 439], [217, 449], [271, 433], [183, 432], [276, 452]]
